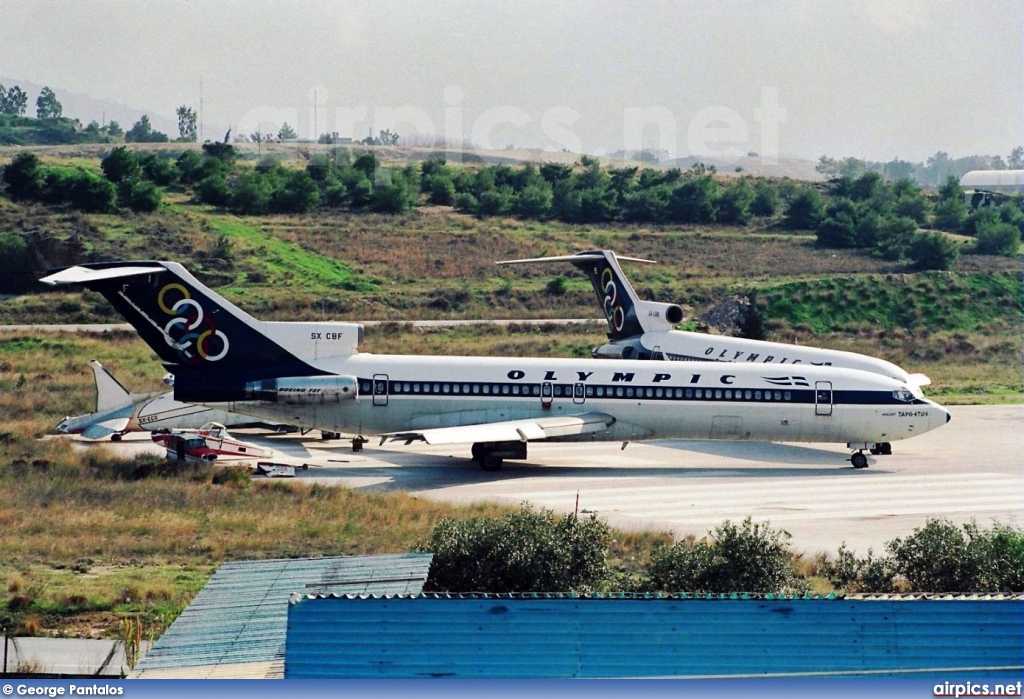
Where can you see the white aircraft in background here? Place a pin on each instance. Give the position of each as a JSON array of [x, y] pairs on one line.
[[119, 411], [311, 374], [640, 329]]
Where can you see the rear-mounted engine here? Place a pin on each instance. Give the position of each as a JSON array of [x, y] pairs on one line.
[[303, 390]]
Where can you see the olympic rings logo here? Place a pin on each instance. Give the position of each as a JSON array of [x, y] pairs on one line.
[[190, 327], [612, 302]]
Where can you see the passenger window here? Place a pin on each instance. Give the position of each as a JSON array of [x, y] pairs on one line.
[[659, 393], [728, 395], [590, 391], [788, 395], [778, 395], [515, 389], [535, 390], [415, 388], [746, 394], [504, 389], [718, 394], [629, 392], [364, 387], [700, 393], [618, 391], [465, 388], [476, 388], [446, 388], [487, 388], [437, 388], [757, 395]]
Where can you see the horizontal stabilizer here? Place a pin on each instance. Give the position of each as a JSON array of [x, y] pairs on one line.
[[510, 431], [574, 258], [84, 275]]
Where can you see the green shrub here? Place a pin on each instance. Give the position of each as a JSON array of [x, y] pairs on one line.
[[524, 551], [747, 557], [932, 251], [805, 211], [997, 238], [942, 557], [24, 177], [122, 164]]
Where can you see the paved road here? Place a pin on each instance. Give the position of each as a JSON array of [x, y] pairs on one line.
[[971, 468]]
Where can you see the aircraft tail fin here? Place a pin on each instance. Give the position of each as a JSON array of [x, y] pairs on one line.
[[200, 336], [627, 315], [110, 394]]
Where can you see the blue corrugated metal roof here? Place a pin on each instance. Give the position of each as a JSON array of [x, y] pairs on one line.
[[240, 616], [552, 636]]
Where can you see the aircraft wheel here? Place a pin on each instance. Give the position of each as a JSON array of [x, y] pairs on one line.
[[885, 448], [859, 460], [876, 450], [489, 462], [115, 438], [477, 451]]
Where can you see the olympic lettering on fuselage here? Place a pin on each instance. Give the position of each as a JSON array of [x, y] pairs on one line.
[[191, 332]]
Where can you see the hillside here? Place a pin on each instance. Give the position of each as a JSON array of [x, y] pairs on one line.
[[437, 263]]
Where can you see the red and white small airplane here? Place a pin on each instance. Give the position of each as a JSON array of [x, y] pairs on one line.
[[211, 442]]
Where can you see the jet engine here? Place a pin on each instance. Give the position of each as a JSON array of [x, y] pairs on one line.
[[303, 390]]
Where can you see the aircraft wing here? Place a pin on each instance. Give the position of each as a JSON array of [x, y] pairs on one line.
[[102, 430], [509, 431]]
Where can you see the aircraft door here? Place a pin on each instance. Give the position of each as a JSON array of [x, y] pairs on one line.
[[546, 394], [380, 389], [579, 393], [822, 397]]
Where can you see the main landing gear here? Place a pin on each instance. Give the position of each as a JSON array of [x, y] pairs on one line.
[[858, 460], [491, 455]]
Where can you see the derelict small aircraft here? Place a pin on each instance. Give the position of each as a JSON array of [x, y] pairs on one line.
[[208, 443], [119, 411], [312, 374], [639, 329]]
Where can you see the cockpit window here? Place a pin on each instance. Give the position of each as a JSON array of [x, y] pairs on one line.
[[903, 395]]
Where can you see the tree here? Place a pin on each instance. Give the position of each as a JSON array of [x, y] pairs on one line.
[[805, 210], [14, 102], [142, 132], [187, 120], [47, 106], [1016, 158], [734, 203], [766, 199], [932, 251], [286, 133], [997, 238], [120, 165], [386, 137], [24, 177], [114, 129], [524, 551], [15, 272]]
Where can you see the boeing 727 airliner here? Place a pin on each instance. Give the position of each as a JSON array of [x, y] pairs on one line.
[[312, 374], [640, 329]]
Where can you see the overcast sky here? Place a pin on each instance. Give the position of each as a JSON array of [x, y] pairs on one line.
[[875, 79]]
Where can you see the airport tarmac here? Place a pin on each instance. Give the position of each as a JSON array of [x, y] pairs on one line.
[[972, 468]]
